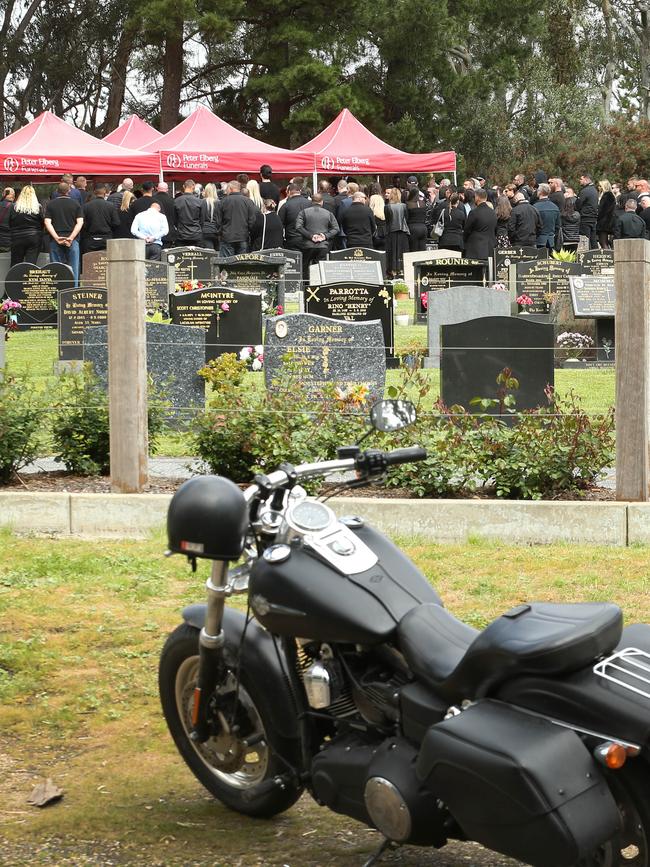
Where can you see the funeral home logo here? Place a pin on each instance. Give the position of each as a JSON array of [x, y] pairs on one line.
[[11, 164], [327, 163], [173, 161]]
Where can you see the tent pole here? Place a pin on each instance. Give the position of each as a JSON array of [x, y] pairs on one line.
[[160, 173], [314, 180], [455, 181]]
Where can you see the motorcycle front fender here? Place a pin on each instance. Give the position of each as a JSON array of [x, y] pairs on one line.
[[261, 661]]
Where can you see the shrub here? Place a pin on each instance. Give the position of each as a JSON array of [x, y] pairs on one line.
[[21, 413], [80, 423]]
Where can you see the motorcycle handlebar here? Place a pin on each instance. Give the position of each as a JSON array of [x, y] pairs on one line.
[[405, 456]]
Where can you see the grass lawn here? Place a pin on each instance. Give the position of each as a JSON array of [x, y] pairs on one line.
[[36, 352], [82, 627]]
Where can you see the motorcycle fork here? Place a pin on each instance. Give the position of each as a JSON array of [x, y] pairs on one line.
[[211, 642]]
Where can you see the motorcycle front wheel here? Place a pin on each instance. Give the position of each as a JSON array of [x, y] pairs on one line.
[[233, 771], [630, 787]]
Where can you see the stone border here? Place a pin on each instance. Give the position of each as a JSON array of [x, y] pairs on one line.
[[525, 522]]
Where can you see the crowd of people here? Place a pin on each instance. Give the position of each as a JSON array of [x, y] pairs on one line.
[[247, 214]]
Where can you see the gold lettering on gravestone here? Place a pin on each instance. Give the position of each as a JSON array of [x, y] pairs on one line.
[[95, 268], [311, 352], [39, 290], [85, 310], [203, 306]]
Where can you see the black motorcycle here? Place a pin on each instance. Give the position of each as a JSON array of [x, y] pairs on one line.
[[347, 677]]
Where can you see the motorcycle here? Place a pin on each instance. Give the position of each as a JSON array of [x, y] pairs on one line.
[[347, 677]]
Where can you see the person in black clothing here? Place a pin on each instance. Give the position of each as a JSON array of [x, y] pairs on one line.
[[358, 222], [26, 226], [329, 202], [187, 217], [524, 223], [269, 190], [125, 215], [570, 224], [454, 223], [416, 217], [644, 204], [167, 207], [235, 218], [587, 207], [267, 231], [294, 204], [480, 229], [6, 205], [101, 220], [606, 212], [144, 202], [629, 224], [64, 221]]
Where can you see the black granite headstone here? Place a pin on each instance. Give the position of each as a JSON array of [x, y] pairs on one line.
[[86, 307], [253, 272], [361, 254], [594, 297], [93, 268], [504, 257], [544, 277], [36, 289], [231, 319], [174, 355], [193, 265], [326, 352], [445, 274], [157, 285], [355, 302], [597, 261], [292, 276], [351, 271], [474, 353]]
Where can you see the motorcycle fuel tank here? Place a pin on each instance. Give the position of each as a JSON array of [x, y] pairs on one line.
[[303, 596]]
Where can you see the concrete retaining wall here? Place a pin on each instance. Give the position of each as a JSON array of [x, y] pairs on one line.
[[516, 521]]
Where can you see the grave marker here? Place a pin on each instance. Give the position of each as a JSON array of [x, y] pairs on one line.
[[360, 254], [350, 271], [445, 273], [597, 262], [80, 308], [411, 259], [292, 274], [540, 278], [254, 272], [158, 276], [193, 265], [36, 289], [504, 257], [594, 297], [93, 269], [327, 351]]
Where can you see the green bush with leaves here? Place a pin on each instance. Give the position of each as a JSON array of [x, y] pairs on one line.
[[80, 424], [22, 407]]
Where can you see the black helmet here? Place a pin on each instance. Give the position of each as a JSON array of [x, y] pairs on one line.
[[207, 517]]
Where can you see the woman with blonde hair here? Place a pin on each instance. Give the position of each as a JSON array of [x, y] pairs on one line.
[[606, 213], [376, 205], [397, 232], [126, 215], [208, 217], [26, 227], [254, 190]]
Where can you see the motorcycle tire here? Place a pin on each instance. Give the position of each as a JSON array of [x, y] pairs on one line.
[[235, 787], [631, 846]]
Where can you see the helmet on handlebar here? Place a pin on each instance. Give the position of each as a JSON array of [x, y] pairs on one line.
[[207, 517]]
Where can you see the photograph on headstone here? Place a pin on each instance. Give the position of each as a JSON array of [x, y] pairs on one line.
[[231, 319], [254, 272], [291, 277], [474, 353], [445, 274], [355, 302], [538, 283], [594, 297], [326, 352], [36, 290], [504, 257], [81, 308], [194, 266], [174, 355], [460, 304], [597, 262], [360, 254], [93, 268], [350, 271]]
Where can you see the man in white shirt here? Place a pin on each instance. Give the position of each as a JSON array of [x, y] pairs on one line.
[[151, 225]]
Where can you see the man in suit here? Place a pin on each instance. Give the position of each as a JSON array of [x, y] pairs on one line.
[[480, 229], [358, 222], [288, 214], [629, 224], [100, 220], [317, 227], [550, 216]]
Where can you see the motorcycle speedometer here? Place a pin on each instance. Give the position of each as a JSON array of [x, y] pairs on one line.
[[311, 516]]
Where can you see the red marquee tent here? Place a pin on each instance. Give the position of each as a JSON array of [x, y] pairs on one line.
[[50, 147], [346, 146], [203, 143], [133, 133]]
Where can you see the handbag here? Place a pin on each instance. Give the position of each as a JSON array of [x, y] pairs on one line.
[[439, 227], [559, 240]]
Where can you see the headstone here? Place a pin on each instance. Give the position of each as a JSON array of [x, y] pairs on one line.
[[158, 276], [474, 353], [460, 304], [360, 254], [354, 302], [93, 269], [504, 257], [411, 259], [36, 289], [540, 278], [327, 351], [292, 275], [597, 262], [81, 308], [193, 265], [174, 355], [226, 330], [350, 271], [445, 274], [253, 272], [594, 297]]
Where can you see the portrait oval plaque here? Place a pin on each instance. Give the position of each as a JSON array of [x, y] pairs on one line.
[[281, 329]]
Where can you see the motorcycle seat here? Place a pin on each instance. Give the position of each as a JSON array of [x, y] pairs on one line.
[[537, 638]]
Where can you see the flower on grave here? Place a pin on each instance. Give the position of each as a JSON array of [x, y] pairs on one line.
[[254, 355], [353, 395], [424, 301], [225, 306], [273, 310], [500, 287], [245, 353], [574, 339], [257, 364], [189, 285], [524, 300], [259, 349], [9, 315]]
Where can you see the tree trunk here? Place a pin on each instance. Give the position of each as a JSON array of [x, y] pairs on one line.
[[170, 100], [278, 112], [119, 69]]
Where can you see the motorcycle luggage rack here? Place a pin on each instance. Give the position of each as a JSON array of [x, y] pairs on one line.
[[629, 668]]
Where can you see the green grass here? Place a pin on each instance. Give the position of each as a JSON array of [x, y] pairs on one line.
[[82, 627]]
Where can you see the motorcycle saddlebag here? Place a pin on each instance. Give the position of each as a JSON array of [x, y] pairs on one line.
[[519, 784]]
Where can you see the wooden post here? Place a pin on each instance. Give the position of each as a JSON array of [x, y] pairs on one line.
[[632, 278], [127, 365]]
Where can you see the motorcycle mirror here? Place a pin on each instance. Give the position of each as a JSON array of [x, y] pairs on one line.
[[392, 415]]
